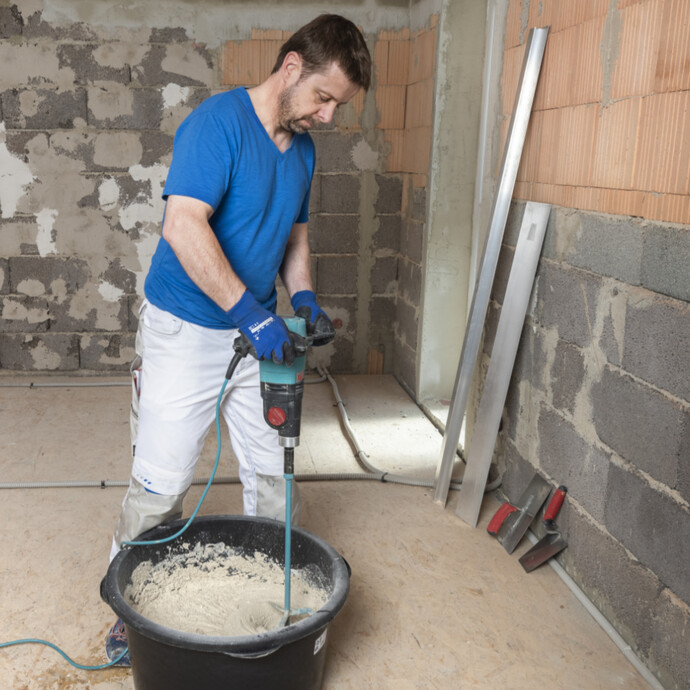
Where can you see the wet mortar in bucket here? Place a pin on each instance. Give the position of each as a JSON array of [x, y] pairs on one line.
[[214, 589], [223, 577]]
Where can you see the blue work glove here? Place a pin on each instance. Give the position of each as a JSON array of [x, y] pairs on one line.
[[319, 326], [267, 333]]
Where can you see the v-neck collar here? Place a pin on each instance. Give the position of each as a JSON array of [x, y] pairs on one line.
[[246, 99]]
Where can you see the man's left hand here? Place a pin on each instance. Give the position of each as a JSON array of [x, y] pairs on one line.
[[319, 326]]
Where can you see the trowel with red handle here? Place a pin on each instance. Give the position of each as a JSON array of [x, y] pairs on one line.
[[553, 542], [510, 522]]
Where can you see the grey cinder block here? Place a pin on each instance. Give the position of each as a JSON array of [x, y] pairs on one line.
[[412, 239], [566, 299], [337, 275], [407, 323], [150, 71], [571, 460], [334, 233], [567, 375], [4, 275], [641, 425], [107, 352], [404, 366], [334, 151], [44, 352], [81, 60], [340, 194], [620, 586], [387, 235], [389, 198], [410, 281], [671, 624], [24, 314], [11, 23], [104, 102], [666, 260], [51, 110], [652, 525], [382, 313], [72, 273], [657, 343], [384, 275], [606, 245], [505, 262]]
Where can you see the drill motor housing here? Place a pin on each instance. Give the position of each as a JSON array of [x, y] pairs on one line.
[[282, 389]]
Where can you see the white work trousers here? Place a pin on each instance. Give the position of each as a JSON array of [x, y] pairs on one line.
[[183, 369]]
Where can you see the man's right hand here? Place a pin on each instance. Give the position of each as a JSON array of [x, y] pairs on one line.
[[267, 333]]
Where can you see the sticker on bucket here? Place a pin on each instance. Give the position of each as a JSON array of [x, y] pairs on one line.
[[320, 642]]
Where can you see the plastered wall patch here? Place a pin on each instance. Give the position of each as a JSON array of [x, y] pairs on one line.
[[45, 237], [15, 176]]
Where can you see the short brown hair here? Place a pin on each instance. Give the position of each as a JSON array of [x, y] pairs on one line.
[[330, 38]]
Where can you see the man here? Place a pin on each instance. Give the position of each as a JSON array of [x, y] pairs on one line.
[[237, 199]]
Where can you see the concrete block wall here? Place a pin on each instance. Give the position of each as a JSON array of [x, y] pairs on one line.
[[87, 120], [88, 113], [600, 401], [600, 394], [405, 67]]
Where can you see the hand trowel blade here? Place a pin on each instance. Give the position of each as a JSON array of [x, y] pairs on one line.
[[516, 524]]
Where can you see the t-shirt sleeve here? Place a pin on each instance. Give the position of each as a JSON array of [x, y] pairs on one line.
[[303, 216], [202, 161]]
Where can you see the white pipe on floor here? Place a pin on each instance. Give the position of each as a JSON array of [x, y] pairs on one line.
[[110, 483], [92, 384], [76, 384], [599, 617], [374, 474]]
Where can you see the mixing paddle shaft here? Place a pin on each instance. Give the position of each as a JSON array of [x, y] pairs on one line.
[[289, 470]]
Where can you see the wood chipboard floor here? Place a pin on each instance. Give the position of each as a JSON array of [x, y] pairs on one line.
[[433, 603]]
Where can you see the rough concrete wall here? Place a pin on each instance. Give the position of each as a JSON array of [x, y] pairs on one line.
[[85, 139], [90, 99], [600, 401]]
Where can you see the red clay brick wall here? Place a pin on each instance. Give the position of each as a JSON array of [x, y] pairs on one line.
[[610, 130]]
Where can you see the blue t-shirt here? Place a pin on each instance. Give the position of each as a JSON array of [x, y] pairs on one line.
[[222, 155]]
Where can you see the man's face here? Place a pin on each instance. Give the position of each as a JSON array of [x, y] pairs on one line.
[[314, 99]]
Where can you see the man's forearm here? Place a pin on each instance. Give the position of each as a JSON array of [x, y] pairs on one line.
[[190, 236], [296, 267]]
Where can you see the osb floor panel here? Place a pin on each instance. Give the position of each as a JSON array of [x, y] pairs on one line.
[[433, 603]]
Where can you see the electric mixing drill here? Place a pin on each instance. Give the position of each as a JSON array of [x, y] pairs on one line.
[[282, 388]]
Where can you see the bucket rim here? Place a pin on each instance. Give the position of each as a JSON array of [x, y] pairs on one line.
[[256, 645]]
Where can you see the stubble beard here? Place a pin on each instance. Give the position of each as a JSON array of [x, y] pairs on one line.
[[287, 118]]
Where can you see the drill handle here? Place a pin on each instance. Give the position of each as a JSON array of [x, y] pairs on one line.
[[243, 346]]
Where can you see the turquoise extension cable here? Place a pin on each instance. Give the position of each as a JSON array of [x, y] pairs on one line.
[[100, 667], [210, 480], [59, 651]]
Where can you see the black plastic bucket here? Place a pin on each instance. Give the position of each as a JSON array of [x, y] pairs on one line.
[[290, 657]]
